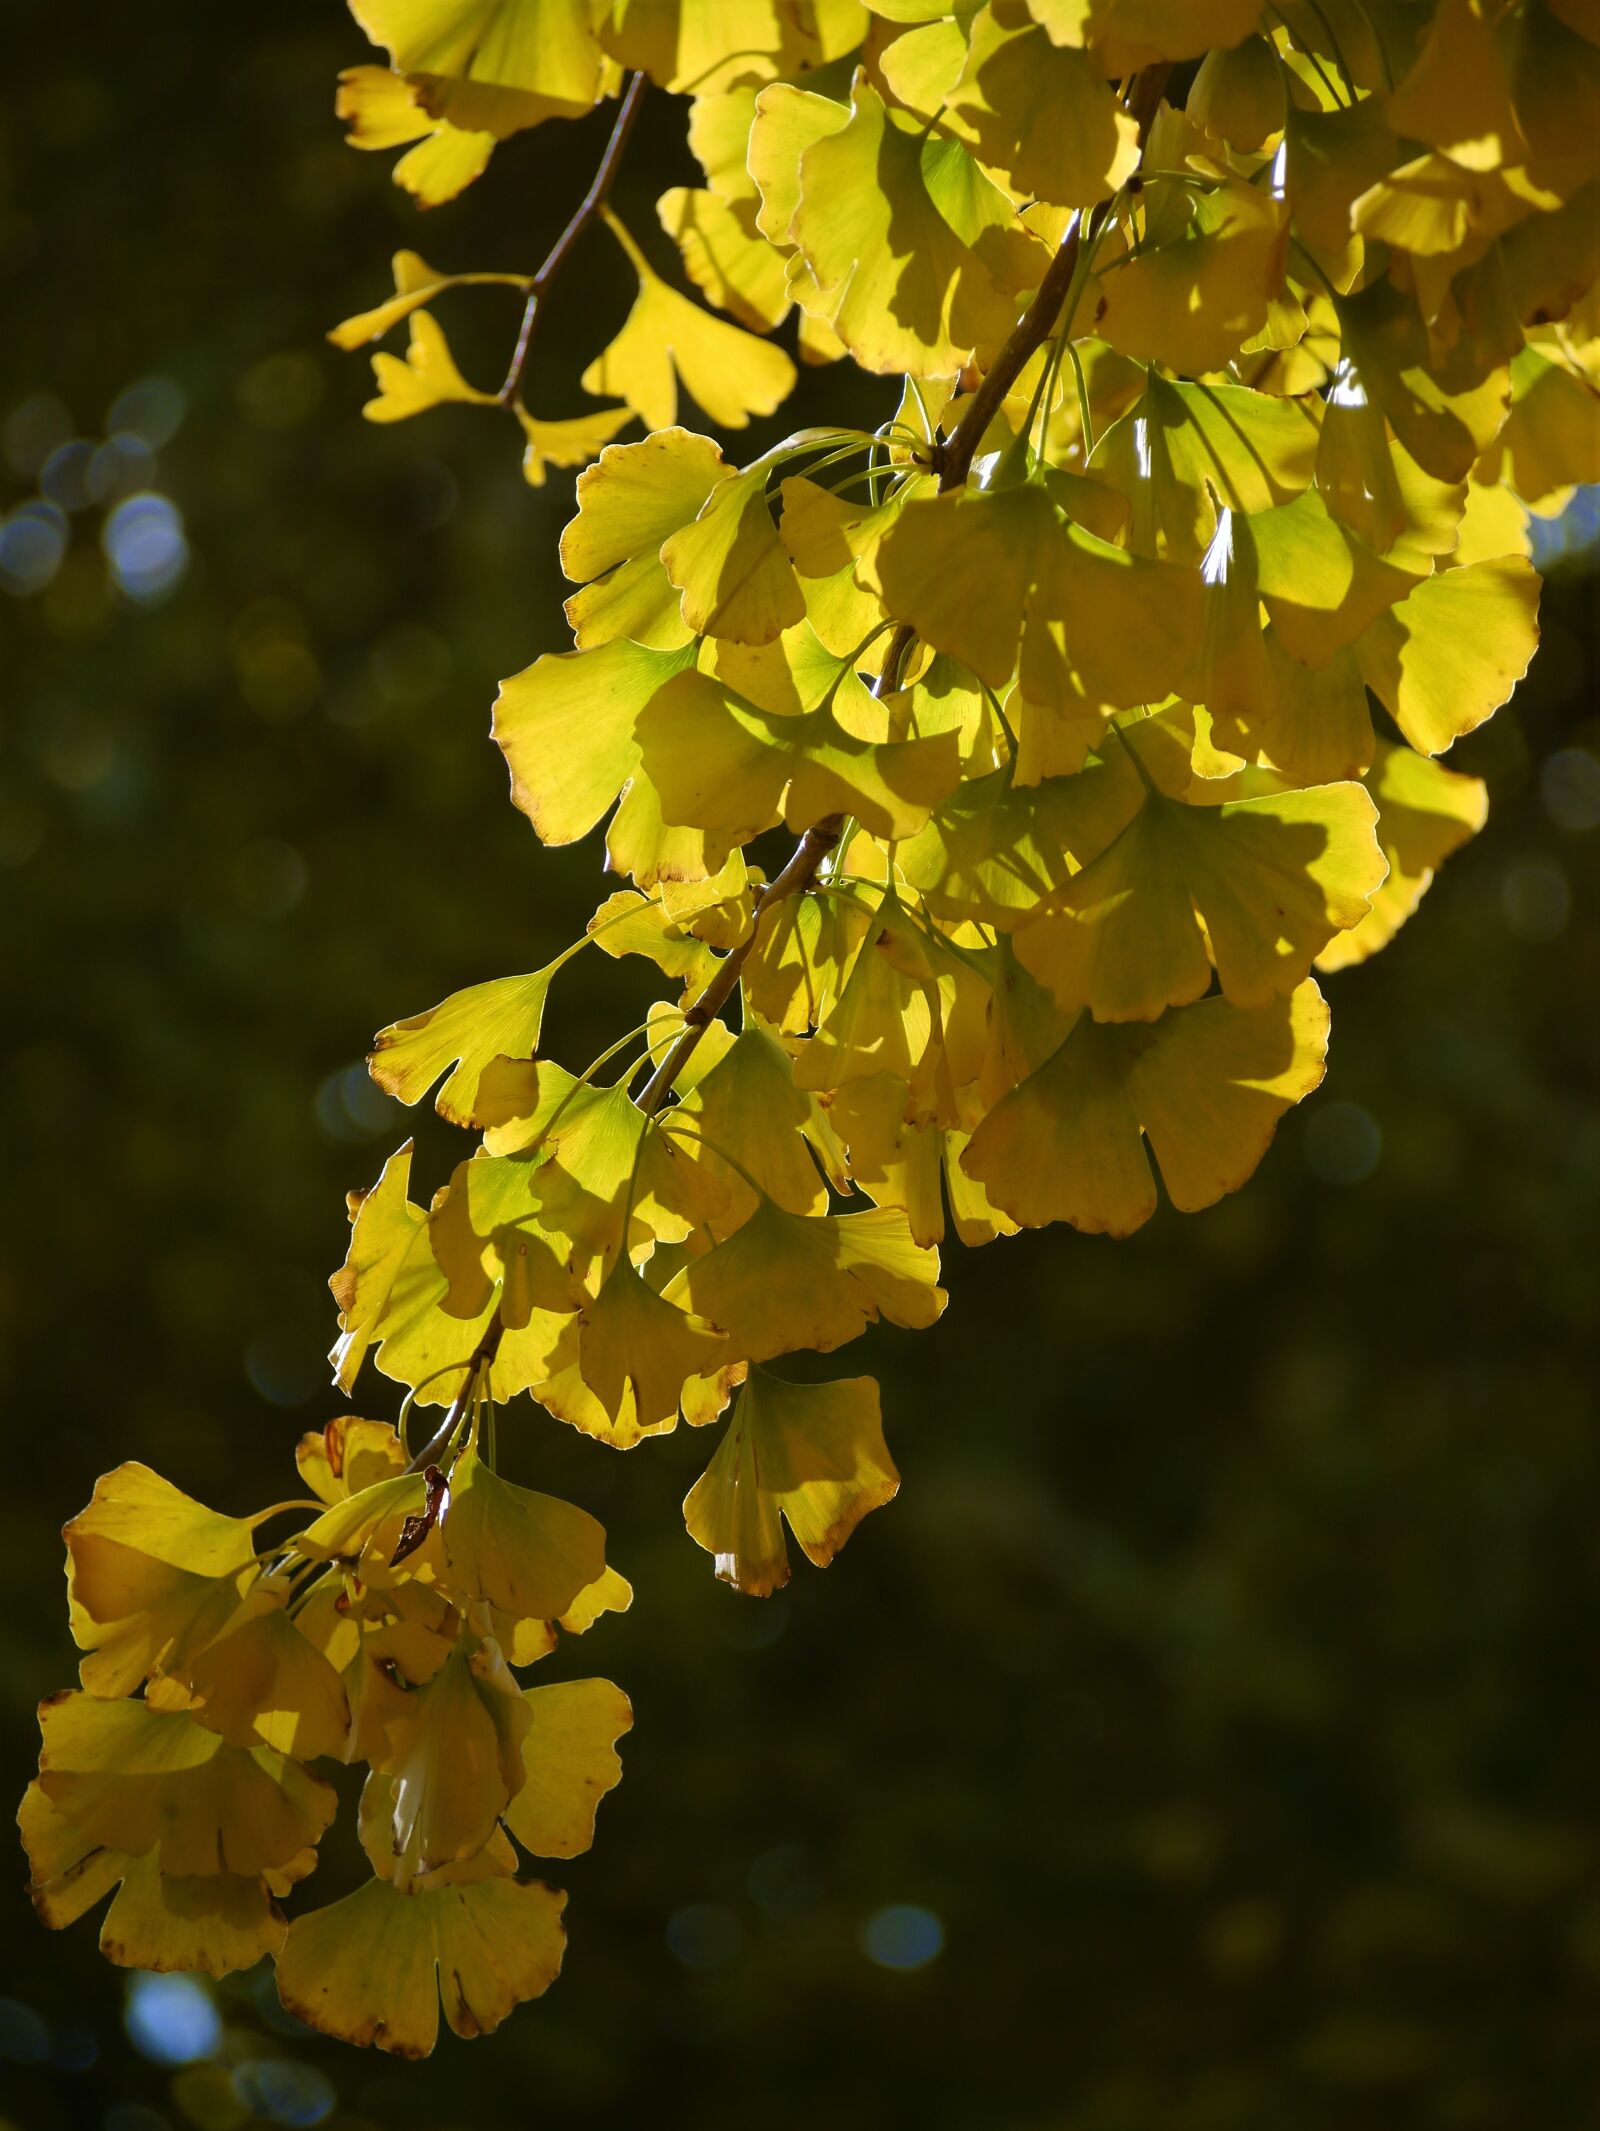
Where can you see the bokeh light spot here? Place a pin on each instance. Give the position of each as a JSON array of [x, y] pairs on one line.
[[33, 541], [171, 2019], [151, 409], [284, 2092], [902, 1936], [144, 543]]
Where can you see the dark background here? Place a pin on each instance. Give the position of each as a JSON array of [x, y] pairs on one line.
[[1223, 1679]]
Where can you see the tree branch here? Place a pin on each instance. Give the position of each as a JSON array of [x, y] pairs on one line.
[[589, 208], [1037, 322], [481, 1356], [955, 463]]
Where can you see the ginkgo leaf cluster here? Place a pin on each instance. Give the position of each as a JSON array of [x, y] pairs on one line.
[[1009, 773]]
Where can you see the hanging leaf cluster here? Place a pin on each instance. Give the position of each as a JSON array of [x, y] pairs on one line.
[[1011, 773]]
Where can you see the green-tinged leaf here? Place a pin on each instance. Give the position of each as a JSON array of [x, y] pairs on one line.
[[469, 1031], [725, 766], [1205, 1086], [811, 1454], [783, 1282], [566, 728], [1263, 884], [731, 568], [908, 281], [528, 1555], [1451, 653], [1425, 812]]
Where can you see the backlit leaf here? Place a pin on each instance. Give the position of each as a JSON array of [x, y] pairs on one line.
[[811, 1454], [492, 1944], [1205, 1086]]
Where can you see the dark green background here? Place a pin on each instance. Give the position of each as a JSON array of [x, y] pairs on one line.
[[1223, 1678]]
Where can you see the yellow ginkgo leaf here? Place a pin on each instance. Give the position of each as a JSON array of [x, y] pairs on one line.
[[728, 766], [607, 1162], [1127, 34], [386, 110], [130, 1778], [629, 923], [1455, 95], [726, 256], [1425, 812], [813, 1454], [487, 1947], [749, 1108], [907, 280], [783, 1282], [995, 849], [467, 1031], [455, 1754], [708, 44], [151, 1577], [610, 1593], [529, 1555], [1191, 300], [570, 1762], [259, 1682], [1443, 413], [719, 135], [731, 568], [1320, 583], [217, 1922], [786, 122], [1552, 435], [566, 728], [1311, 723], [366, 1523], [348, 1455], [1205, 1085], [415, 284], [1270, 880], [385, 1231], [1184, 450], [635, 496], [571, 442], [890, 1014], [1450, 654], [667, 340], [427, 378], [544, 50], [1238, 94], [1229, 673], [636, 1352], [1042, 113], [976, 571]]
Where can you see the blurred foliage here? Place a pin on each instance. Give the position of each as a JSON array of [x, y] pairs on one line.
[[1246, 1750]]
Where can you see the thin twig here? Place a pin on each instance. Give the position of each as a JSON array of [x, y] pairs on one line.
[[480, 1358], [955, 462], [1037, 322], [593, 200]]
